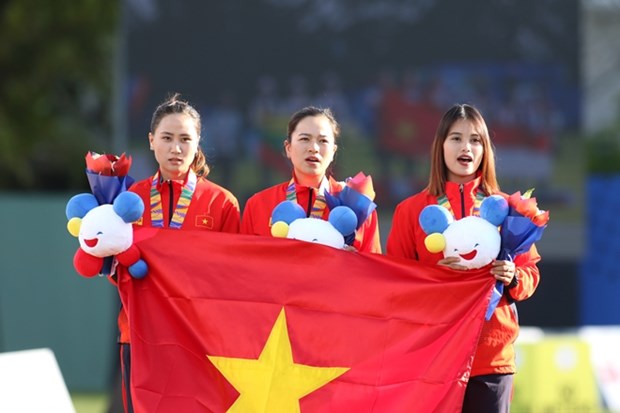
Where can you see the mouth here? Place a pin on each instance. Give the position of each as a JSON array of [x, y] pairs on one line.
[[465, 159], [91, 243], [469, 256], [313, 159]]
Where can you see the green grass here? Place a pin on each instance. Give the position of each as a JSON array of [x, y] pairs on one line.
[[90, 402]]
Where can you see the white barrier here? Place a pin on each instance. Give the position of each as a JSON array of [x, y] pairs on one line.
[[605, 355], [31, 382]]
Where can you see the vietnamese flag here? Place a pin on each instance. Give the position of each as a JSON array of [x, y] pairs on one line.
[[406, 127], [236, 323]]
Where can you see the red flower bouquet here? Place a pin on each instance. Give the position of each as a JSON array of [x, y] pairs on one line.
[[108, 175], [357, 193], [523, 226]]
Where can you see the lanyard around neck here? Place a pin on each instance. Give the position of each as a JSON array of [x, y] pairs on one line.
[[442, 200], [318, 208], [157, 213]]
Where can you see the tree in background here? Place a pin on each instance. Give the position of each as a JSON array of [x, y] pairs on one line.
[[56, 65]]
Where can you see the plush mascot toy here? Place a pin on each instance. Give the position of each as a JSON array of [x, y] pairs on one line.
[[105, 231], [289, 221], [475, 240]]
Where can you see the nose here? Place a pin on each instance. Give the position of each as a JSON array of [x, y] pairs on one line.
[[176, 147], [314, 146]]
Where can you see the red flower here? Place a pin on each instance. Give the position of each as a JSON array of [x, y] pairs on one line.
[[360, 183], [108, 164], [528, 207]]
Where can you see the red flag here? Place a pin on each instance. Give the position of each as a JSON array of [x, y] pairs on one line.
[[235, 323], [406, 127]]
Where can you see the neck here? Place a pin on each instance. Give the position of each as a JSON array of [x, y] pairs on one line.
[[167, 176], [461, 180], [312, 181]]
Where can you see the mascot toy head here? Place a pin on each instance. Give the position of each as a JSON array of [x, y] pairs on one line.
[[105, 231], [289, 221], [475, 240]]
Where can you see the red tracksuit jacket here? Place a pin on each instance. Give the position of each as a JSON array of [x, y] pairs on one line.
[[495, 352], [212, 208], [258, 209]]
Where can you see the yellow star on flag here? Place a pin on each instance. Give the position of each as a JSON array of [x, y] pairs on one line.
[[274, 383]]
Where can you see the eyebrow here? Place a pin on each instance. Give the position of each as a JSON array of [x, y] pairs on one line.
[[309, 134], [172, 134]]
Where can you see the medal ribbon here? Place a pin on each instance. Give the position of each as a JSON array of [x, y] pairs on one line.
[[319, 203], [157, 213]]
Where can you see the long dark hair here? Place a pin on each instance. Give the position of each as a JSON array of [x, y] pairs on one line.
[[174, 105], [439, 173], [311, 111]]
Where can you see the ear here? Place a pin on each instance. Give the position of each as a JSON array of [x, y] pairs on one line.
[[494, 209], [343, 219], [79, 205], [287, 211], [435, 218], [287, 148], [128, 206], [151, 137]]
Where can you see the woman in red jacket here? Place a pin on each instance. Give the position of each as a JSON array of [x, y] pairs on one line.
[[310, 145], [178, 195], [462, 174]]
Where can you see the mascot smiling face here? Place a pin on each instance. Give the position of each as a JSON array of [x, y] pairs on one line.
[[104, 233], [474, 240]]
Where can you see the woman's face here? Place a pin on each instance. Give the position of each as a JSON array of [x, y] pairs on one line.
[[311, 149], [175, 143], [462, 151]]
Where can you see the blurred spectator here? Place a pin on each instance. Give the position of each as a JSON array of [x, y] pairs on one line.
[[223, 128]]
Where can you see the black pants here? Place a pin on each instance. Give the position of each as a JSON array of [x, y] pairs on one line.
[[126, 374], [491, 393]]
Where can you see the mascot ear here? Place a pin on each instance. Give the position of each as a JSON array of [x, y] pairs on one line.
[[79, 205], [287, 211], [128, 206], [435, 218], [343, 219], [494, 209]]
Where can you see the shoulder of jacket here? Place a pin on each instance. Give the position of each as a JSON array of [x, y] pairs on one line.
[[210, 186], [139, 186], [275, 189]]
